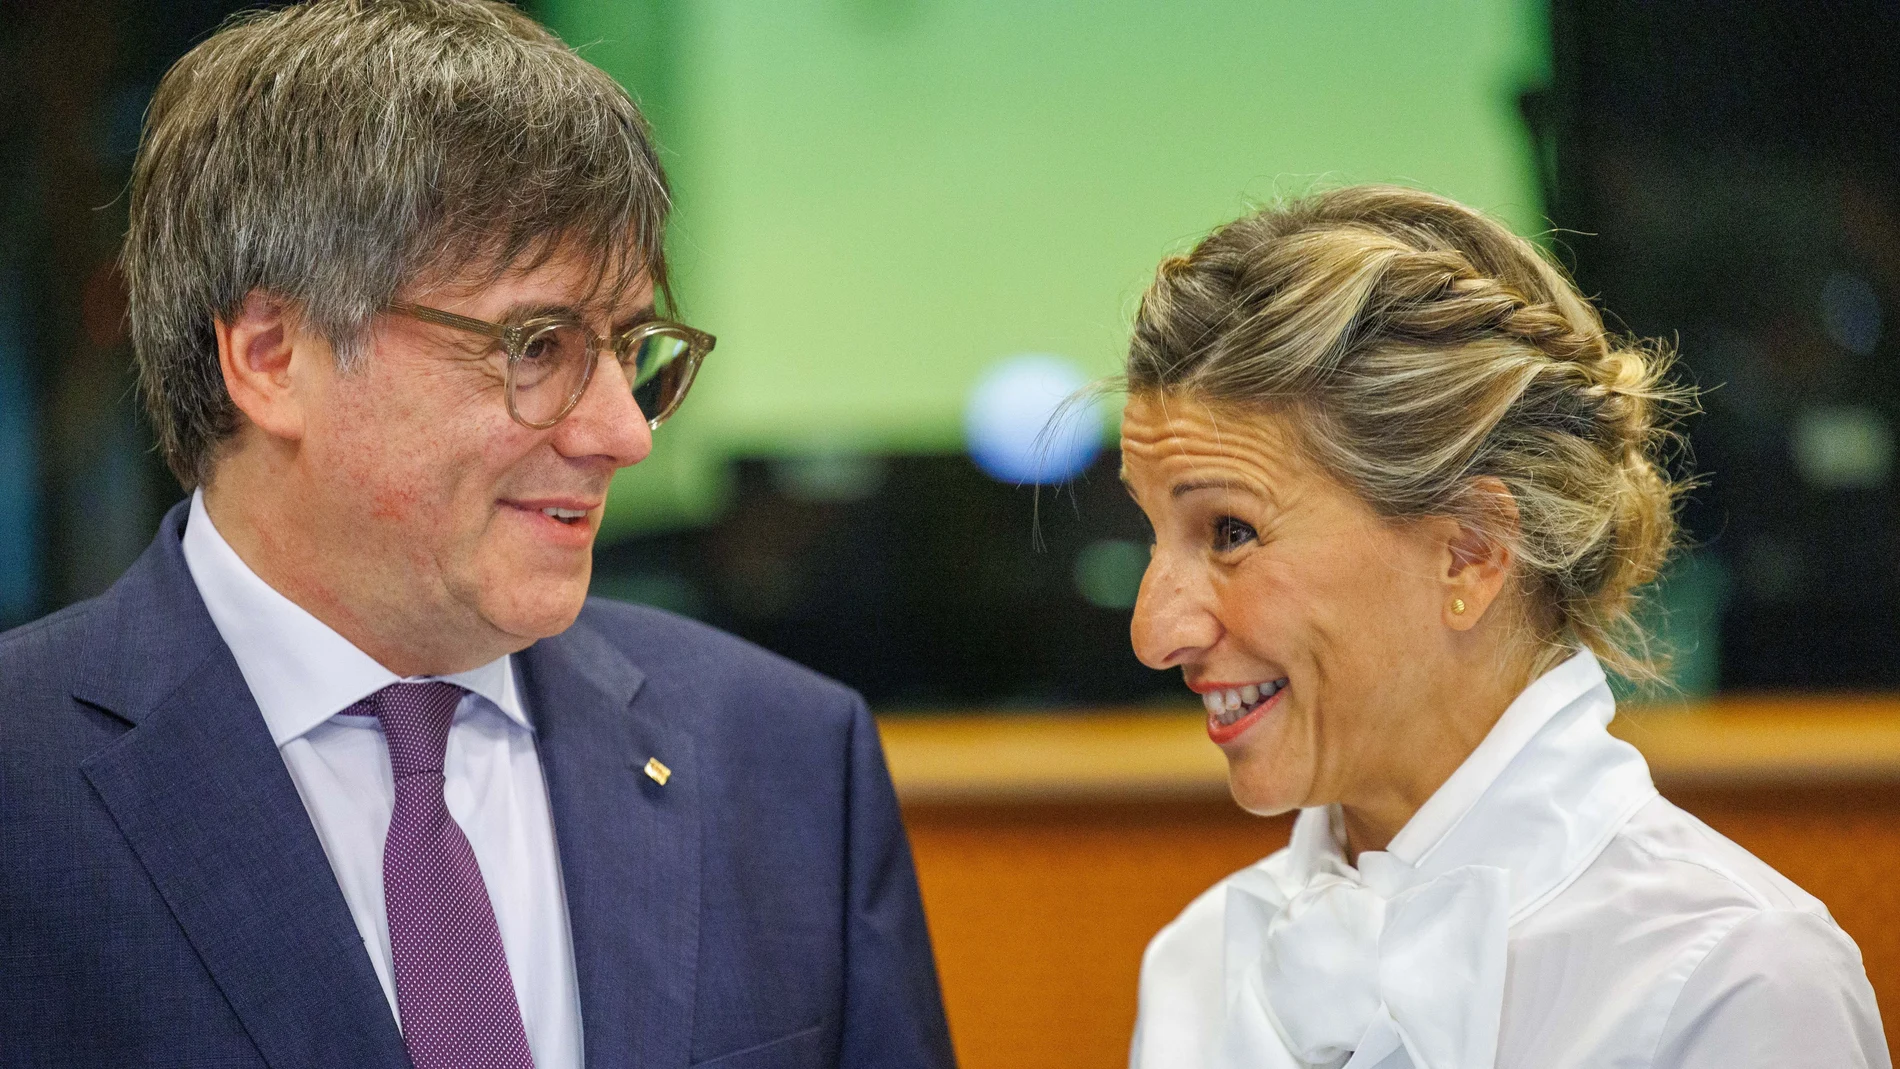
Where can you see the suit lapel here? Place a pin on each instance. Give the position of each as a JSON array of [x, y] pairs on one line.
[[629, 846], [202, 796]]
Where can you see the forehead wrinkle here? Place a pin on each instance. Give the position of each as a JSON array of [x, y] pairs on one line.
[[1248, 460], [1168, 422], [1211, 421]]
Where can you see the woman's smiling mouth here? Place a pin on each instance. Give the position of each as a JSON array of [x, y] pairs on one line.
[[1232, 709]]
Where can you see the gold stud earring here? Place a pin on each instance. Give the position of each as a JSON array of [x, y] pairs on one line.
[[1457, 606]]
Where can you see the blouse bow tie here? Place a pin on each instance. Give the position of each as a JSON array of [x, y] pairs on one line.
[[1347, 968]]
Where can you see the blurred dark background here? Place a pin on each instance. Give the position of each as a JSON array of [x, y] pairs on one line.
[[1734, 172], [1724, 174]]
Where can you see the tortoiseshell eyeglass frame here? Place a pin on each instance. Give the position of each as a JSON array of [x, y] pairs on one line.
[[514, 339]]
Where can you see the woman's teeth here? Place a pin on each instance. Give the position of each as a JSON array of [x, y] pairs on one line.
[[1229, 705]]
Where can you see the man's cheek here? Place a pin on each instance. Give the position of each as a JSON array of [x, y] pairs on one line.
[[393, 504]]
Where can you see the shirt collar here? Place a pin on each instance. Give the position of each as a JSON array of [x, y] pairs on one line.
[[1539, 797], [1547, 695], [300, 671]]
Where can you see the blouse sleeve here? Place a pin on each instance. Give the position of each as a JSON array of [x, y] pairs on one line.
[[1782, 988]]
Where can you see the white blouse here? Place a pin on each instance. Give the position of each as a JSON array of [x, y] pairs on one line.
[[1545, 908]]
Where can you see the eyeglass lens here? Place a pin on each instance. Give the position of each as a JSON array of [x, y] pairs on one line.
[[548, 375], [661, 372]]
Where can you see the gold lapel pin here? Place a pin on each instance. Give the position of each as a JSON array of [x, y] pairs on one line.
[[658, 772]]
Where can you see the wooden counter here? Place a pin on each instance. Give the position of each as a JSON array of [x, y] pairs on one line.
[[1131, 753], [1051, 847]]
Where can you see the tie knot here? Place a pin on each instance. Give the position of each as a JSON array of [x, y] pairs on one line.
[[1336, 964], [416, 718]]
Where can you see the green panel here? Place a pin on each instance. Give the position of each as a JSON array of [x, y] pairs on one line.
[[877, 198]]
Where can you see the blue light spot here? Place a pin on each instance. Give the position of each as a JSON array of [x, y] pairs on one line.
[[1023, 425]]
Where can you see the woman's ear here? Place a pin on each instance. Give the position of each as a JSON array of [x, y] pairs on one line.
[[1477, 559], [259, 346]]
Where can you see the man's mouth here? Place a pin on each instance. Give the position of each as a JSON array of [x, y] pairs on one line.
[[568, 512], [1231, 710]]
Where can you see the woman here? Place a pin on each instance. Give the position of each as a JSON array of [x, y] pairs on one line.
[[1403, 488]]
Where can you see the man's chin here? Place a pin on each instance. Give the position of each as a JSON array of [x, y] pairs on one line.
[[541, 614]]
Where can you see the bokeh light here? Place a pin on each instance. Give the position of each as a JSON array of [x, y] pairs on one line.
[[1027, 420]]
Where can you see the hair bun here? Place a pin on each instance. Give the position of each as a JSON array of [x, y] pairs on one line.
[[1432, 347]]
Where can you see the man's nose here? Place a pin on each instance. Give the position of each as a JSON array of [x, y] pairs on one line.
[[1174, 624], [606, 422]]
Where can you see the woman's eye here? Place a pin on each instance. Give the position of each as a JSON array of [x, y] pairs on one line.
[[1230, 533]]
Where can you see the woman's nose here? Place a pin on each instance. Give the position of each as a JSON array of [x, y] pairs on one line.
[[1173, 624]]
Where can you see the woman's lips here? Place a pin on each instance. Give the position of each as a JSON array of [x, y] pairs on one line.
[[1231, 711]]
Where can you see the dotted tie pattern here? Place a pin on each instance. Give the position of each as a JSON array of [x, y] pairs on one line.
[[452, 984]]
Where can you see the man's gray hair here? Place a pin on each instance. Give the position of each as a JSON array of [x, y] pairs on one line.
[[330, 153]]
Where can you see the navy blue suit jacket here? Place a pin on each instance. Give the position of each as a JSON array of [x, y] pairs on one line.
[[164, 899]]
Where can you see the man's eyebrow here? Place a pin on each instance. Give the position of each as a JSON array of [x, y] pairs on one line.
[[516, 314], [644, 314], [521, 313]]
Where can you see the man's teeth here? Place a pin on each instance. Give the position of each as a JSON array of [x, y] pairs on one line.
[[1229, 705], [564, 514]]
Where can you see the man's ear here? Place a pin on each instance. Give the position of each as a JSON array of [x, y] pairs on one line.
[[1477, 559], [260, 350]]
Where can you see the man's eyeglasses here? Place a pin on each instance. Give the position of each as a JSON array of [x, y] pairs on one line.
[[551, 360]]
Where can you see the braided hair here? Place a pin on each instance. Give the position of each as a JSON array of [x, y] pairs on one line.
[[1419, 347]]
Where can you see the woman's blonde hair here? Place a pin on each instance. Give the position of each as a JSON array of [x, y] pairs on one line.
[[1421, 347]]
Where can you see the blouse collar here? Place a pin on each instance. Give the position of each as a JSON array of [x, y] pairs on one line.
[[1540, 797]]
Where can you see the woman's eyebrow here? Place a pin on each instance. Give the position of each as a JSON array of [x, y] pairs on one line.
[[1194, 486]]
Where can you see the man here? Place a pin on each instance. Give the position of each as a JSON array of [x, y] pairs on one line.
[[346, 770]]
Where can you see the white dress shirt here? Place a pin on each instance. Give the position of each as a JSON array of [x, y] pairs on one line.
[[303, 675], [1544, 909]]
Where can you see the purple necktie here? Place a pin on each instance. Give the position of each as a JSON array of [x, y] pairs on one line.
[[452, 984]]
